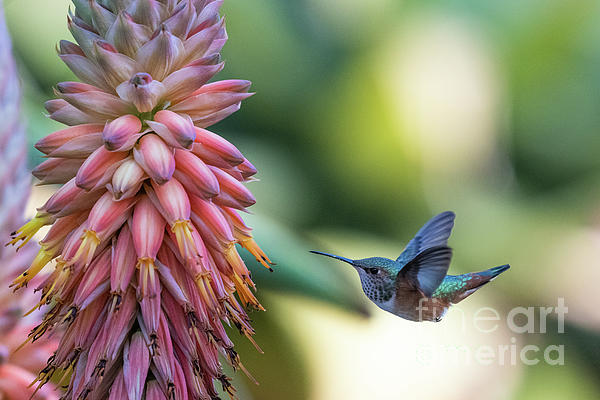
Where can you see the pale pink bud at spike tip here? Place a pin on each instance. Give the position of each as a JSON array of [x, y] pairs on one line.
[[120, 134], [142, 250], [142, 91]]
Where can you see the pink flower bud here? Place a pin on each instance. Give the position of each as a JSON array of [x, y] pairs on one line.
[[247, 169], [208, 215], [173, 201], [122, 133], [155, 157], [63, 196], [108, 215], [231, 85], [233, 193], [123, 262], [200, 39], [204, 104], [176, 130], [99, 104], [182, 83], [94, 283], [199, 179], [79, 147], [61, 111], [75, 87], [127, 180], [59, 138], [98, 168], [57, 170], [147, 228]]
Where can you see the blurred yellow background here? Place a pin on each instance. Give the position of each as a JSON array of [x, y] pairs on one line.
[[369, 118]]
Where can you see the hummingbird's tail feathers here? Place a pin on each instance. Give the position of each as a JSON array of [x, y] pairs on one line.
[[434, 233], [476, 280], [428, 269], [349, 261]]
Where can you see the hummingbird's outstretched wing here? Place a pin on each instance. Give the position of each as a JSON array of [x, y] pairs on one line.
[[434, 233], [427, 270]]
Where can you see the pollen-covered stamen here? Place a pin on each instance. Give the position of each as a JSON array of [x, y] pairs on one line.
[[27, 231], [87, 248], [185, 242]]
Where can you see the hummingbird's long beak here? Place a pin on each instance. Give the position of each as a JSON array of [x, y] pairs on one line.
[[344, 259]]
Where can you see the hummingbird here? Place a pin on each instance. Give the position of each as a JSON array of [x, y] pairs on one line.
[[415, 285]]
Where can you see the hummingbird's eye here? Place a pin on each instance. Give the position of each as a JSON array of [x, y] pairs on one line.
[[371, 270]]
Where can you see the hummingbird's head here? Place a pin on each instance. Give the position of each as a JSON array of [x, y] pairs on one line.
[[377, 275]]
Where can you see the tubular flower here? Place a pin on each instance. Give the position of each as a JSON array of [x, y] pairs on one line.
[[143, 230], [17, 369]]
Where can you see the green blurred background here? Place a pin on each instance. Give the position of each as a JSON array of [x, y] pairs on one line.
[[370, 117]]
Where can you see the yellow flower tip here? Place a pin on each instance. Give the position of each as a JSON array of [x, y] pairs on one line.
[[245, 294], [185, 241], [250, 245], [42, 258], [87, 248], [27, 231], [203, 283], [147, 267]]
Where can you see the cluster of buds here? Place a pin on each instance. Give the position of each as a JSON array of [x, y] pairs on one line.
[[145, 225]]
